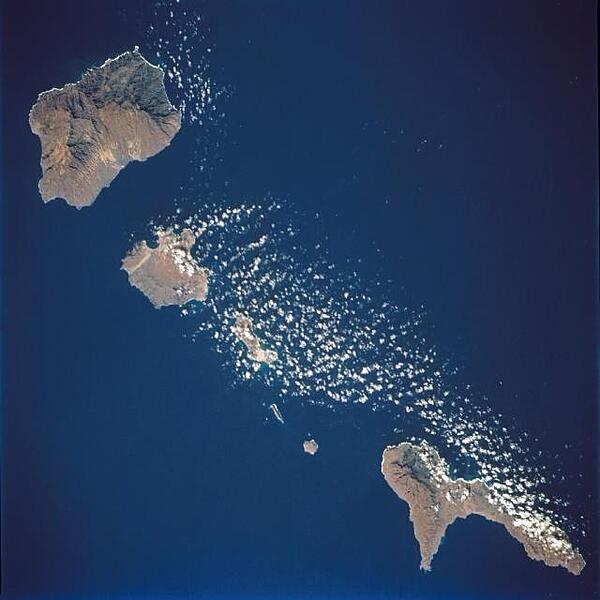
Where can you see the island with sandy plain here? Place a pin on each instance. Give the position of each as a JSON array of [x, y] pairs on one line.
[[168, 274], [420, 476], [90, 130]]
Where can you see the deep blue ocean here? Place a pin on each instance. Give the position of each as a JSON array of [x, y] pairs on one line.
[[450, 149]]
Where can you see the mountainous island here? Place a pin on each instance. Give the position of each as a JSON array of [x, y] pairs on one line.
[[90, 130], [420, 477]]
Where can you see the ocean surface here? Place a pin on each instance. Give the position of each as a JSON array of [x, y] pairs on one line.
[[440, 156]]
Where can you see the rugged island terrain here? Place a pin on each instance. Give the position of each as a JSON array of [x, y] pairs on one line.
[[90, 130], [420, 477], [167, 274]]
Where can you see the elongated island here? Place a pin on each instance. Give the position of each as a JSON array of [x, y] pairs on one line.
[[420, 476]]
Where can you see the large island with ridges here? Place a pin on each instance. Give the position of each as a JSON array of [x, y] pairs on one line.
[[90, 130], [420, 477]]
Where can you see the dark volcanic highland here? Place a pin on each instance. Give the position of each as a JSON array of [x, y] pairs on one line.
[[92, 129]]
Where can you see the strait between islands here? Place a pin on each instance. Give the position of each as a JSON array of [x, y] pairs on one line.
[[169, 275], [90, 130], [420, 477]]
